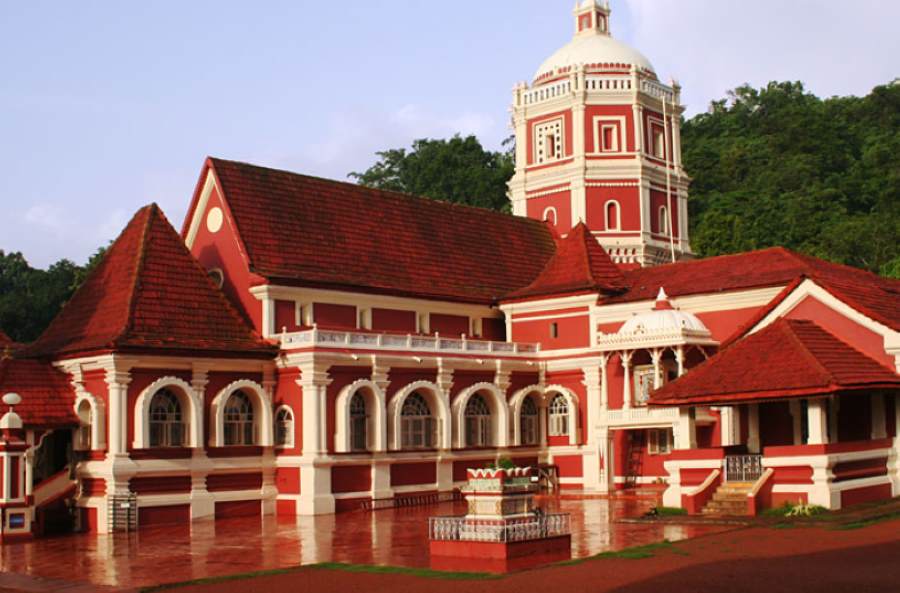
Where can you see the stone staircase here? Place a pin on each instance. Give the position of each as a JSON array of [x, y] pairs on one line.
[[729, 500]]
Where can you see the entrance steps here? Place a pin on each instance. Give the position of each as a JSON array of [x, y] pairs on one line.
[[729, 500]]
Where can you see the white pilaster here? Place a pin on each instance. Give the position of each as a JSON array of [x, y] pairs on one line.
[[818, 422], [626, 387], [753, 444], [686, 433]]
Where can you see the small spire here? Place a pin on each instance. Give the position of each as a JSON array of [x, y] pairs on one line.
[[662, 300], [11, 420]]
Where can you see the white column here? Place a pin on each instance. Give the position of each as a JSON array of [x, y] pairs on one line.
[[753, 444], [117, 384], [818, 422], [879, 419], [638, 112], [590, 458], [726, 421], [656, 357], [315, 470], [686, 435], [604, 383], [679, 358], [626, 388]]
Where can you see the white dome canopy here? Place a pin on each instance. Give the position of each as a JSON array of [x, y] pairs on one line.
[[593, 49], [662, 319]]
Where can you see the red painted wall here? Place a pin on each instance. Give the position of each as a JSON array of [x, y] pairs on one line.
[[573, 332], [723, 324], [393, 320], [286, 316], [287, 480], [861, 338], [569, 465], [226, 482], [238, 508], [493, 329], [326, 315], [449, 325], [629, 206], [658, 200], [340, 378], [288, 392], [350, 478], [410, 474], [560, 200], [167, 515], [223, 250]]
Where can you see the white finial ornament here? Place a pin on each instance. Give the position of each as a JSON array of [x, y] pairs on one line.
[[662, 296], [11, 420]]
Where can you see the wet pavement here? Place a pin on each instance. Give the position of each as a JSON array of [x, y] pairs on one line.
[[395, 537]]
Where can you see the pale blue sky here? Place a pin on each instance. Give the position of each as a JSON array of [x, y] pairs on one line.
[[106, 106]]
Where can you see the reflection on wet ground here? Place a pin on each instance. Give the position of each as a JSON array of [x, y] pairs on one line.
[[390, 537]]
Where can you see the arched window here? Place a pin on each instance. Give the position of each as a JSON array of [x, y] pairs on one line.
[[612, 216], [550, 215], [663, 220], [528, 422], [167, 427], [239, 423], [417, 425], [559, 416], [83, 434], [478, 422], [284, 428], [358, 423]]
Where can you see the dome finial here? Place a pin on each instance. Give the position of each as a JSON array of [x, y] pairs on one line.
[[662, 301]]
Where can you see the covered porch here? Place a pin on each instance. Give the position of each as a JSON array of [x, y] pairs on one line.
[[812, 421]]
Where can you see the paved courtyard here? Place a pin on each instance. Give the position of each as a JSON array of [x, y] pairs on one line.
[[390, 537]]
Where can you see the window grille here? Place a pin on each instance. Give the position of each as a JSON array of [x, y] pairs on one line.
[[167, 428], [559, 416], [358, 423], [528, 422], [239, 425], [478, 422], [284, 428], [418, 429]]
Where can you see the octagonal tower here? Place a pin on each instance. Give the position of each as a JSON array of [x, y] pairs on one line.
[[598, 140]]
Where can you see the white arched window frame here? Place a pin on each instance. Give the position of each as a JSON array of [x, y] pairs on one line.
[[191, 410], [664, 221], [262, 412], [284, 429], [550, 394], [376, 423], [536, 392], [437, 402], [550, 215], [529, 422], [496, 401], [613, 223], [91, 433]]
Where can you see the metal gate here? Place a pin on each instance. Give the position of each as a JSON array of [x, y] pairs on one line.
[[743, 468]]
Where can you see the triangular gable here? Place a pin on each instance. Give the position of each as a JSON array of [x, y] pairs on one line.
[[149, 293], [580, 264]]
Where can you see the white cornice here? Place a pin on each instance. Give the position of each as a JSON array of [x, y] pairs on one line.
[[700, 303], [200, 210]]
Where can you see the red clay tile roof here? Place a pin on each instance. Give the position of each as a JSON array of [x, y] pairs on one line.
[[48, 398], [149, 293], [308, 231], [789, 358], [4, 339], [872, 295], [580, 264]]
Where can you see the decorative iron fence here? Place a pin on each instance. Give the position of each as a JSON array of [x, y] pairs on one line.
[[743, 468], [499, 530]]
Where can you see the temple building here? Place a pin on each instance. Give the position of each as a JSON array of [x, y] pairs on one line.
[[305, 346]]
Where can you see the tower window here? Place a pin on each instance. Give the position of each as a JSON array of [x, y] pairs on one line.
[[610, 139], [659, 142], [663, 220], [613, 218], [550, 215], [548, 141], [554, 330]]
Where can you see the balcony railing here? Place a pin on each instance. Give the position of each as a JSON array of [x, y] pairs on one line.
[[498, 530], [641, 414], [415, 343]]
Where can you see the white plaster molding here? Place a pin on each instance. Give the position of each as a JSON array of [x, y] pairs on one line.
[[98, 418], [262, 412], [572, 399], [515, 410], [189, 400], [496, 400], [376, 426], [437, 400]]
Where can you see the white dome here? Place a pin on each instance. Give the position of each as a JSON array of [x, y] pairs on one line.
[[593, 49], [662, 321]]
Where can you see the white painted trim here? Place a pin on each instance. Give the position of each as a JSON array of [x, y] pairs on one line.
[[621, 137], [189, 400], [574, 429], [437, 400], [499, 413], [98, 418], [292, 433], [200, 211], [262, 412], [618, 226], [376, 427], [515, 410], [550, 210], [699, 303]]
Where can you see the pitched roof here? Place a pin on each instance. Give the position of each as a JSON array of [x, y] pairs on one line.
[[872, 295], [4, 339], [579, 264], [789, 358], [315, 232], [48, 398], [149, 293]]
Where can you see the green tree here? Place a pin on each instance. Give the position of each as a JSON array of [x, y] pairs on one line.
[[457, 170], [779, 166]]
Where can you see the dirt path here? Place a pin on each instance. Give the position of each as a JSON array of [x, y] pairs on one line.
[[798, 560]]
